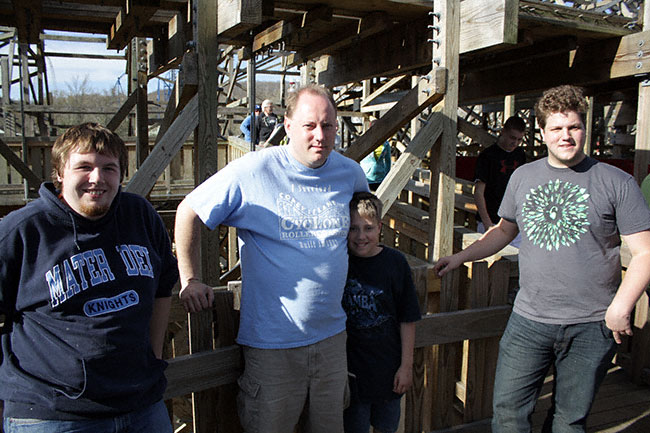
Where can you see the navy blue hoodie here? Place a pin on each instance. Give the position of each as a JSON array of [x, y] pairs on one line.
[[78, 297]]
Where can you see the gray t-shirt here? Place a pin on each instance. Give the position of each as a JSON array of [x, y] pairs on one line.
[[571, 220]]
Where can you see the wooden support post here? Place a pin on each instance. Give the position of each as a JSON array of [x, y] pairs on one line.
[[250, 87], [415, 407], [40, 95], [474, 372], [139, 72], [442, 193], [9, 125], [589, 126], [415, 123], [642, 144], [205, 405], [508, 107], [444, 158], [444, 373]]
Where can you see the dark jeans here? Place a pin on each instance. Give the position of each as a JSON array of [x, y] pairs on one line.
[[383, 416], [153, 419], [580, 354]]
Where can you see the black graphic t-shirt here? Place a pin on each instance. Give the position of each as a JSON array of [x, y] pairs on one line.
[[379, 295], [571, 220], [494, 166]]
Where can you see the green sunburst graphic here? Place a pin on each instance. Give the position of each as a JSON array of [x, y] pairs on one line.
[[555, 214]]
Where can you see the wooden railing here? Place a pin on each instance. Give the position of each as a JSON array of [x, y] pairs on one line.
[[464, 315]]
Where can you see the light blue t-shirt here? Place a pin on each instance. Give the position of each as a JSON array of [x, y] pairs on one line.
[[293, 223]]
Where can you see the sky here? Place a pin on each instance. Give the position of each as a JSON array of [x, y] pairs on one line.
[[63, 72], [102, 75]]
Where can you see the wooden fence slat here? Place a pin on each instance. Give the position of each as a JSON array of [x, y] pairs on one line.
[[444, 376], [475, 353]]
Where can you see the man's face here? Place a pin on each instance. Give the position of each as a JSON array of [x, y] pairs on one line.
[[564, 135], [89, 183], [311, 130], [268, 109], [509, 139]]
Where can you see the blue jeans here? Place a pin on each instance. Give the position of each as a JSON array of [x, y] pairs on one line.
[[384, 416], [580, 355], [153, 419]]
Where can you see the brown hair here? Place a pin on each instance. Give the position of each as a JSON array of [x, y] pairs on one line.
[[85, 138], [515, 123], [314, 89], [559, 100], [367, 204]]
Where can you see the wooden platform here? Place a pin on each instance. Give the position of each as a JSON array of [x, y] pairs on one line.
[[620, 406]]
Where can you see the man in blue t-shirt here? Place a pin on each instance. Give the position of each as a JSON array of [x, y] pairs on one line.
[[572, 306], [290, 205]]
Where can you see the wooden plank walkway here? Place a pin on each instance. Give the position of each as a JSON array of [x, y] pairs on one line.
[[620, 407]]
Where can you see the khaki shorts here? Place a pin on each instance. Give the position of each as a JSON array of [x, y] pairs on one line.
[[278, 384]]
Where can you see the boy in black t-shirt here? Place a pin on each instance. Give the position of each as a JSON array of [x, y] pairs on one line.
[[382, 308]]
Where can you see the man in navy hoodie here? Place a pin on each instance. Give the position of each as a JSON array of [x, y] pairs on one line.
[[86, 273]]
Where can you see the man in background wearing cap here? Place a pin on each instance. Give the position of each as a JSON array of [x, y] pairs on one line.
[[245, 126]]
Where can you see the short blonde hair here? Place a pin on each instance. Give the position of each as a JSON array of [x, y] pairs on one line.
[[314, 89]]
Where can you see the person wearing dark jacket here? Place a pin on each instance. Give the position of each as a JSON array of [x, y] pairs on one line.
[[86, 273], [266, 122]]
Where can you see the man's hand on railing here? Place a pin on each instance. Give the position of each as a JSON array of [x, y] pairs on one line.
[[196, 296]]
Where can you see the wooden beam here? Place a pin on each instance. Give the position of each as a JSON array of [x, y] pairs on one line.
[[292, 32], [202, 371], [486, 24], [237, 16], [429, 90], [456, 326], [28, 14], [590, 64], [443, 158], [409, 161], [124, 111], [145, 178], [385, 87], [555, 14], [476, 133], [367, 26], [32, 179], [402, 46], [130, 22]]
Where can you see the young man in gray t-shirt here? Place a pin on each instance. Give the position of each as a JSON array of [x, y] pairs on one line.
[[572, 307]]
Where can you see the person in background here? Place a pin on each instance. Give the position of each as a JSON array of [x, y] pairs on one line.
[[86, 274], [382, 307], [266, 122], [377, 164], [290, 205], [245, 126], [572, 306], [494, 167]]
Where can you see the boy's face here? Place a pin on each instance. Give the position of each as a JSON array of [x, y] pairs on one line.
[[363, 239]]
